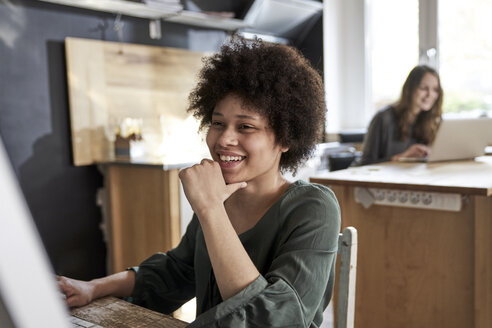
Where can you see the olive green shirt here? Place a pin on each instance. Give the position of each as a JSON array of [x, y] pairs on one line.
[[293, 246]]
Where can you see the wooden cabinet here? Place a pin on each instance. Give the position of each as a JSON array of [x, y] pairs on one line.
[[420, 267], [141, 211]]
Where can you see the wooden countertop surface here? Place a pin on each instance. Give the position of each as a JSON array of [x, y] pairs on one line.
[[112, 312], [465, 177]]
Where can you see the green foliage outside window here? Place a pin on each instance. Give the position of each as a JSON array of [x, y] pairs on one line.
[[455, 102]]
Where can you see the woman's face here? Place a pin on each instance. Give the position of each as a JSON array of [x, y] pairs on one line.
[[426, 93], [242, 142]]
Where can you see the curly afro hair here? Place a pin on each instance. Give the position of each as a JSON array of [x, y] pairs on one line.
[[274, 80]]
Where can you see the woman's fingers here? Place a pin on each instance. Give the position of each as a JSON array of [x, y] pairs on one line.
[[77, 292], [63, 285], [417, 150], [204, 185], [423, 149], [74, 301], [233, 187], [206, 161]]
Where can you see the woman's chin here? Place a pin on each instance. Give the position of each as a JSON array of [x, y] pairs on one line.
[[231, 180], [426, 108]]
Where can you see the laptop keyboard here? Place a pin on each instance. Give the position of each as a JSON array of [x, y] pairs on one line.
[[78, 323]]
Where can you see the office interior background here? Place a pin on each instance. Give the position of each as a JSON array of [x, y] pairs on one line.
[[371, 46], [364, 49]]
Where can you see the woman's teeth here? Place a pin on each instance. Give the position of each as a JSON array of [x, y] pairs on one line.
[[230, 158]]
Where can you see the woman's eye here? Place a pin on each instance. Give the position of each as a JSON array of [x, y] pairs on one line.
[[245, 127], [216, 123]]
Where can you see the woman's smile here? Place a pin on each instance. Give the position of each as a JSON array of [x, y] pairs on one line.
[[227, 161]]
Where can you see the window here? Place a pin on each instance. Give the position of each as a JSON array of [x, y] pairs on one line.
[[370, 46], [394, 35], [465, 56]]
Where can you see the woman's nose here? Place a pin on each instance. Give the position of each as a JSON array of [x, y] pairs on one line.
[[228, 137]]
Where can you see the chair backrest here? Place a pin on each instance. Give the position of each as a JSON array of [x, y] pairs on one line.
[[347, 248]]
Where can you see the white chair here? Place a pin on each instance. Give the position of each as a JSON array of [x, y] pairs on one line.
[[345, 306], [345, 285]]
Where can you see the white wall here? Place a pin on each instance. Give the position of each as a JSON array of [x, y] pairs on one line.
[[345, 68]]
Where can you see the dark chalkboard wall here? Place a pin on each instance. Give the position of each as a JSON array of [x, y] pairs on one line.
[[35, 124]]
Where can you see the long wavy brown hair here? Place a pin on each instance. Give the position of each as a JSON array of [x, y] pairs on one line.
[[427, 122]]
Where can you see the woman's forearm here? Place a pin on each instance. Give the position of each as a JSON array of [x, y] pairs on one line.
[[120, 284], [232, 265]]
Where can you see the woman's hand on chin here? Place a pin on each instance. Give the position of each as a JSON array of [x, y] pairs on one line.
[[204, 186]]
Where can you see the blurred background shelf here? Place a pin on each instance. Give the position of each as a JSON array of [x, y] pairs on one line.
[[283, 21], [142, 10]]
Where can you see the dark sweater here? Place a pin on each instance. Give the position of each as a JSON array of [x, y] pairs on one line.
[[293, 247], [381, 140]]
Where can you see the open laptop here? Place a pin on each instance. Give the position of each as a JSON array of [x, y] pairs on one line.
[[458, 139], [29, 296]]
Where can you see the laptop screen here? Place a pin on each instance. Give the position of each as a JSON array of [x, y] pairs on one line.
[[458, 139]]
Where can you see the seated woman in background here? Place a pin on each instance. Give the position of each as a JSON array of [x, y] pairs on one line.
[[259, 251], [408, 127]]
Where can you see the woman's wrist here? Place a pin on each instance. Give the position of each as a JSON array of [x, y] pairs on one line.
[[119, 284], [209, 213], [97, 289]]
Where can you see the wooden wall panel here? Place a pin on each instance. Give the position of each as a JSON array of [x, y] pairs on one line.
[[109, 81]]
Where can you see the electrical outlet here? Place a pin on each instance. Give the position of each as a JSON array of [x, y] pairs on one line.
[[416, 199]]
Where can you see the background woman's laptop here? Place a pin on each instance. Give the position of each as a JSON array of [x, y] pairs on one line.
[[459, 139]]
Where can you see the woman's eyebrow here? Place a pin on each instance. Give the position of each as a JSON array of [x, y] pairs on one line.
[[238, 116], [248, 117]]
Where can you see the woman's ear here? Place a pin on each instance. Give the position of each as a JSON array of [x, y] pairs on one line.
[[284, 149]]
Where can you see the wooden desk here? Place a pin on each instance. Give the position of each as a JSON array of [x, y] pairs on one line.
[[112, 312], [421, 267]]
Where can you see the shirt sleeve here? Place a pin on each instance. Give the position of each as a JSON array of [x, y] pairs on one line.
[[299, 283], [165, 281], [373, 149]]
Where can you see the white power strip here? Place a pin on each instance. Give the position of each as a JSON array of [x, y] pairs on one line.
[[405, 198]]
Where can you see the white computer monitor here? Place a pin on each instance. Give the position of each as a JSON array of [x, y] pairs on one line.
[[28, 293]]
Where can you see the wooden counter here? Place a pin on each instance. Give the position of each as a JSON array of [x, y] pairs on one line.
[[420, 267]]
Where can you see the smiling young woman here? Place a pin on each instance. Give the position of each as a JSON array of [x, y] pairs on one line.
[[406, 128], [259, 251]]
